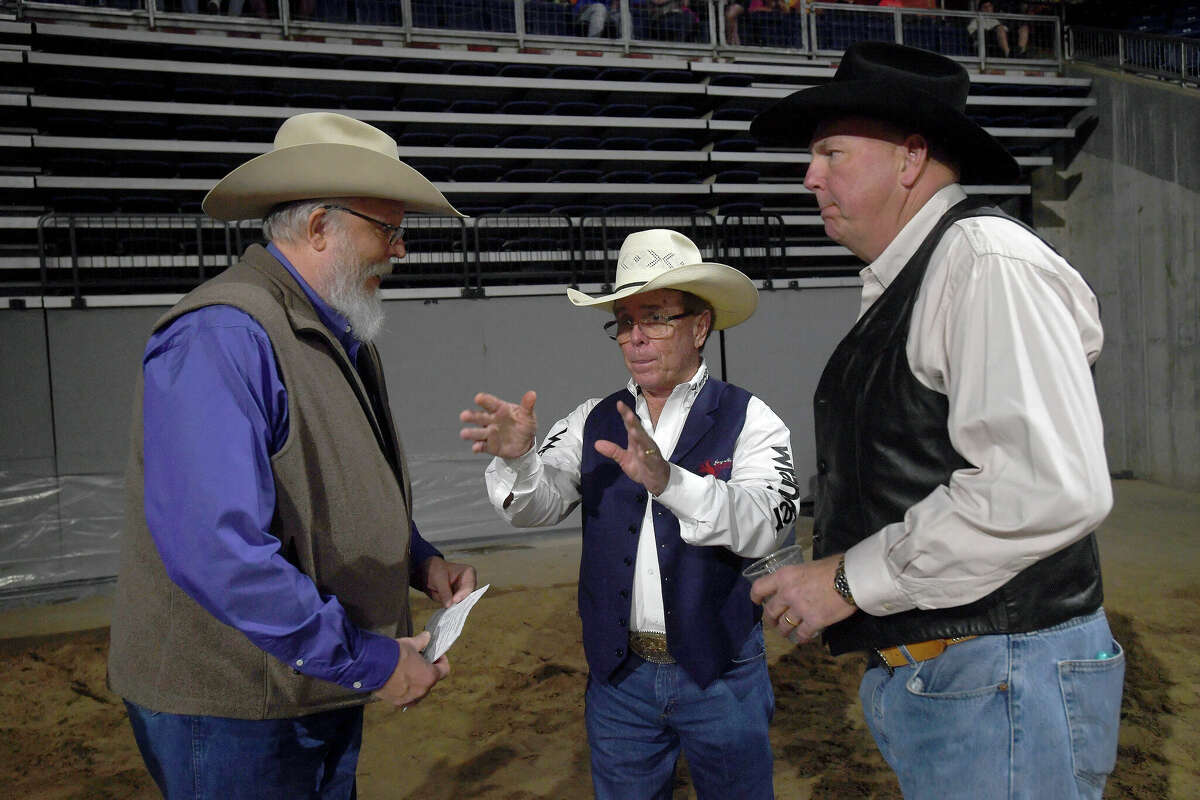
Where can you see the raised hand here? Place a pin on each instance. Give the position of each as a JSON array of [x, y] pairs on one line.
[[639, 459], [503, 429]]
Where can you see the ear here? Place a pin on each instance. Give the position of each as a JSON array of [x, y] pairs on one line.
[[915, 150], [317, 231], [703, 327]]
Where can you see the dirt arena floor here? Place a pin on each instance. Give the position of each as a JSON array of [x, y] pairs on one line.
[[508, 723]]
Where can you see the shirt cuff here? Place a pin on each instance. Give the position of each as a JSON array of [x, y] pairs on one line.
[[685, 492], [875, 590], [380, 655]]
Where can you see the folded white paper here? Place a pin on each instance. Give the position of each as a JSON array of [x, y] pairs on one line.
[[446, 624]]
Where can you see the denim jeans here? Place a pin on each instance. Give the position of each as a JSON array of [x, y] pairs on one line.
[[1012, 717], [214, 758], [637, 723]]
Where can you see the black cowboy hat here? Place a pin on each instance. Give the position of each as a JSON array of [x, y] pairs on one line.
[[915, 89]]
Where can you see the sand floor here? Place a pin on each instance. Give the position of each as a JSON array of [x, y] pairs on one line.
[[508, 722]]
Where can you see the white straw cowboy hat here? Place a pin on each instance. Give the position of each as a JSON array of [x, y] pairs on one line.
[[664, 259], [318, 155]]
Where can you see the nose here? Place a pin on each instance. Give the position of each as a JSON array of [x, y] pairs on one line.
[[398, 249], [813, 176]]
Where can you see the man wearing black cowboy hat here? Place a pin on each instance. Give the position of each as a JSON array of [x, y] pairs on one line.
[[960, 455]]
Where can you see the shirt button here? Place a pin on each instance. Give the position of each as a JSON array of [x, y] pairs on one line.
[[620, 652], [358, 684], [633, 528], [641, 498], [822, 466], [623, 593], [628, 561], [621, 622], [299, 662]]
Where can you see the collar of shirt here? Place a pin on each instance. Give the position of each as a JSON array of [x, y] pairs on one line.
[[680, 401], [880, 273], [337, 324]]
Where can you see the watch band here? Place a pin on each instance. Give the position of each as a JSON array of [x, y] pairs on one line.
[[842, 584]]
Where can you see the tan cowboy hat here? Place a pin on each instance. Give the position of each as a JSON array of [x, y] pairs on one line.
[[322, 154], [664, 259]]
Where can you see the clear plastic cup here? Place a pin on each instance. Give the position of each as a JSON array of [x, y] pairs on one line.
[[793, 554]]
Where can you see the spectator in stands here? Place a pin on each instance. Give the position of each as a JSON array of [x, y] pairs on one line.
[[682, 478], [673, 20], [593, 15], [735, 9], [959, 449], [262, 596], [997, 33]]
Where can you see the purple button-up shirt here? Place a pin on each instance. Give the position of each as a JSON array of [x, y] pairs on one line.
[[214, 412]]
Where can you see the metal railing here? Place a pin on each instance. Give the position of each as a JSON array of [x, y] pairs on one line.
[[110, 253], [710, 27], [1175, 57]]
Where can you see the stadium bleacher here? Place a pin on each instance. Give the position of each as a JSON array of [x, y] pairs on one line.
[[139, 123]]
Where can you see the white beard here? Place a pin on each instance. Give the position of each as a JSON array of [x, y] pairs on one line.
[[349, 296]]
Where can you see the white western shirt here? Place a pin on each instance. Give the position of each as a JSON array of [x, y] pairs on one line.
[[1006, 329], [750, 513]]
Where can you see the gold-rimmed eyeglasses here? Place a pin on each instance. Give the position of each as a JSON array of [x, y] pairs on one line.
[[654, 326], [395, 233]]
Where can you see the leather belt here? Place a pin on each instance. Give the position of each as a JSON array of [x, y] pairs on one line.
[[893, 657], [650, 646]]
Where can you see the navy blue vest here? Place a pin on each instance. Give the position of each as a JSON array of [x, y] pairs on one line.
[[706, 600]]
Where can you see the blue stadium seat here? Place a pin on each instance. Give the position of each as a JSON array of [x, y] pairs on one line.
[[484, 69], [257, 97], [575, 108], [315, 100], [322, 61], [624, 143], [81, 203], [433, 172], [674, 209], [730, 80], [421, 139], [741, 209], [671, 76], [523, 71], [528, 208], [578, 210], [738, 176], [477, 172], [472, 106], [737, 144], [577, 176], [209, 166], [370, 102], [147, 204], [423, 66], [526, 142], [626, 176], [621, 74], [203, 131], [671, 111], [527, 175], [149, 87], [671, 143], [735, 112], [422, 104], [627, 210], [79, 165], [623, 110], [472, 139], [536, 107], [201, 94], [674, 176], [575, 143], [143, 167], [140, 128], [574, 72], [376, 64]]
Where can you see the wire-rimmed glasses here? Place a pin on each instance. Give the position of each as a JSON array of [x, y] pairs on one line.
[[654, 326], [395, 233]]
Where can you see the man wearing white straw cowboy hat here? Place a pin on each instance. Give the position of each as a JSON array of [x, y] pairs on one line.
[[681, 478], [960, 454], [268, 549]]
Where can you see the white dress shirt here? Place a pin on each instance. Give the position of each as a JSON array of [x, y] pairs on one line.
[[750, 513], [1006, 329]]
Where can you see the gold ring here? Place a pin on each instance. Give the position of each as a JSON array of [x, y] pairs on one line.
[[788, 620], [649, 451]]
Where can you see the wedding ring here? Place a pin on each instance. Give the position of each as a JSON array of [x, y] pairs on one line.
[[789, 621], [649, 451]]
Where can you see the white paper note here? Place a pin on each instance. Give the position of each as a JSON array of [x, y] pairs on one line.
[[446, 624]]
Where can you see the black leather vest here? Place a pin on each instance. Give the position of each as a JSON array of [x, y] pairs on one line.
[[883, 445]]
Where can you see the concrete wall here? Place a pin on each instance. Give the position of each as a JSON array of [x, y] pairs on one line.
[[61, 463], [1126, 210]]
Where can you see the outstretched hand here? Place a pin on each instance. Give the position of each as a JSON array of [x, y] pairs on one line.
[[640, 459], [503, 429]]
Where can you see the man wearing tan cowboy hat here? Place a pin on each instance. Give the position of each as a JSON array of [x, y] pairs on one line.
[[262, 597], [681, 478], [960, 455]]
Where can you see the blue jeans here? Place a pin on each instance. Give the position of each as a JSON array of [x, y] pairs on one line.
[[637, 723], [213, 758], [1010, 717]]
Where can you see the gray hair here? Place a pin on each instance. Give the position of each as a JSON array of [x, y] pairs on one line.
[[694, 304], [286, 222]]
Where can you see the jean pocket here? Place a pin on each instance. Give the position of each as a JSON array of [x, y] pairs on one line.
[[1091, 691]]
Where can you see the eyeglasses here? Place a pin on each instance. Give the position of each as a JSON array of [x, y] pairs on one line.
[[654, 326], [395, 233]]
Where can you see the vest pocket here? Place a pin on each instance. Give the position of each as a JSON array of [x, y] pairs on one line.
[[1091, 691]]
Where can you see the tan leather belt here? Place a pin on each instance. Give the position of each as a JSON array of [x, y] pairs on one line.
[[650, 647], [920, 651]]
